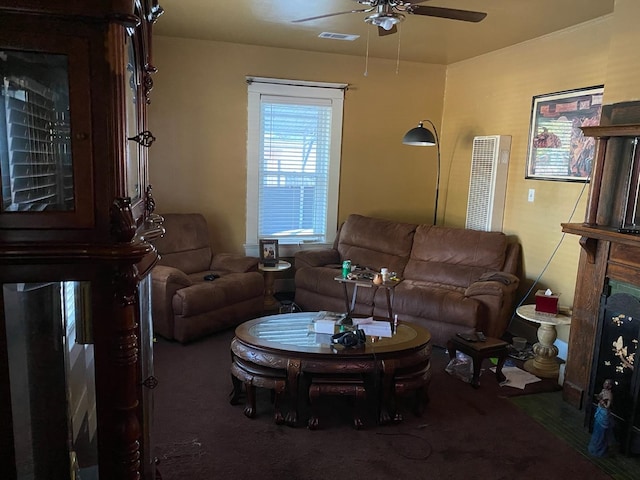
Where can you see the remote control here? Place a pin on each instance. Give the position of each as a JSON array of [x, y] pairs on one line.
[[481, 336], [467, 337]]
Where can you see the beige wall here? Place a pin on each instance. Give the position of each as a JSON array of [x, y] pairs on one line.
[[199, 116], [623, 67], [492, 95]]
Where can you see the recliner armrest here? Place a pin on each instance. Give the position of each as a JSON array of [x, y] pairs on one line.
[[234, 263], [165, 282], [317, 258], [496, 292], [170, 276], [496, 283]]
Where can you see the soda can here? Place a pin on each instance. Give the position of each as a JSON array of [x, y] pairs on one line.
[[346, 268]]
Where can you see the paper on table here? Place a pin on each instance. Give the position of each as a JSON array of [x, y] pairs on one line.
[[517, 378], [376, 328], [324, 326], [361, 321]]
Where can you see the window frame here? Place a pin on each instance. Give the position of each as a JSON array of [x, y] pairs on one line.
[[257, 87]]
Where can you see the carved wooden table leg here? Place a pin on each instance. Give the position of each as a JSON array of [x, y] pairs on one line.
[[236, 393], [361, 397], [293, 376], [278, 391], [387, 403], [250, 406], [314, 393]]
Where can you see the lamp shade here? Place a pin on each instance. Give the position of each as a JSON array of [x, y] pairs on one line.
[[420, 137]]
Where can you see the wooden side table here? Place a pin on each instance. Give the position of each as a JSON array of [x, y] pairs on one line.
[[545, 362], [270, 303], [478, 351], [388, 286]]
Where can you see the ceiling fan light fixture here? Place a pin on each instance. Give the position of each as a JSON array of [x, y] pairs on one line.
[[385, 20]]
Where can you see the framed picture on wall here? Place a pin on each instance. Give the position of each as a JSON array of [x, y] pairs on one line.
[[269, 252], [557, 148]]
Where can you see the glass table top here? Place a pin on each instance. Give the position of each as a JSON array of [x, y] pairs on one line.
[[295, 332]]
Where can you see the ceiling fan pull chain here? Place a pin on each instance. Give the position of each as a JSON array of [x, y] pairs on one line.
[[398, 59], [366, 58]]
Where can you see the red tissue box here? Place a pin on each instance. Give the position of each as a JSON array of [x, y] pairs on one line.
[[547, 304]]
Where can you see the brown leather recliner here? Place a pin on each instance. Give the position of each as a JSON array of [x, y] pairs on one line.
[[185, 305]]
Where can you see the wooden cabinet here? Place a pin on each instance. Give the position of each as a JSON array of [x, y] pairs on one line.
[[76, 219], [610, 255]]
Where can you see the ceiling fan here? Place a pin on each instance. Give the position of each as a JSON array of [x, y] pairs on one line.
[[388, 13]]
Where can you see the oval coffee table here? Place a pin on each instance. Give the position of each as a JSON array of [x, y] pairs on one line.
[[279, 351]]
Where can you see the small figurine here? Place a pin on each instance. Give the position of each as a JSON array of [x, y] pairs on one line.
[[602, 435]]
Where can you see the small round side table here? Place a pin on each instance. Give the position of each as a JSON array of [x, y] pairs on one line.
[[545, 361], [270, 303]]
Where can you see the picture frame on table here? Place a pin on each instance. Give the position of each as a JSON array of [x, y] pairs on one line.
[[269, 255], [558, 150]]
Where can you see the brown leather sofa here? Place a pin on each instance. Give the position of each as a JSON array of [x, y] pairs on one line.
[[185, 306], [455, 280]]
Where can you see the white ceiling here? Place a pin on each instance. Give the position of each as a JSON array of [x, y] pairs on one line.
[[420, 39]]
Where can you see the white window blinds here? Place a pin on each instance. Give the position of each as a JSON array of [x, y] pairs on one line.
[[293, 162], [294, 167]]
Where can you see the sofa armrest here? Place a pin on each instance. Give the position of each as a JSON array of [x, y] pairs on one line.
[[234, 263], [165, 282], [497, 295], [317, 258]]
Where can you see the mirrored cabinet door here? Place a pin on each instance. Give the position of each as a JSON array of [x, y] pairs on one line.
[[51, 369], [132, 91], [34, 121], [45, 132]]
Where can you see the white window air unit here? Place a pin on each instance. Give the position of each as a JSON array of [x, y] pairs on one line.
[[488, 182]]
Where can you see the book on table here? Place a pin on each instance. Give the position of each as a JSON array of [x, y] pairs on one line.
[[325, 322]]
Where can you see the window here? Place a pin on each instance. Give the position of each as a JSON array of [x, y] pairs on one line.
[[293, 162]]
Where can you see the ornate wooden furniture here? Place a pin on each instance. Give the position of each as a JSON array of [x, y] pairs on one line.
[[76, 217], [610, 250], [278, 351]]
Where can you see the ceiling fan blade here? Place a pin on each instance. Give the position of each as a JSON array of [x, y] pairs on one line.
[[451, 13], [330, 15], [383, 33]]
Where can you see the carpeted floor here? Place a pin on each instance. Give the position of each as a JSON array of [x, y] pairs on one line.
[[566, 422], [464, 433]]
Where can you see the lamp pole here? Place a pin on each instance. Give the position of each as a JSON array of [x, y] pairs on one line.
[[422, 137]]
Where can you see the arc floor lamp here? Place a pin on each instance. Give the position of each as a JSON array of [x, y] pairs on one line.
[[423, 137]]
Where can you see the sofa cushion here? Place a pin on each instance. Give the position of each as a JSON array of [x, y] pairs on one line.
[[441, 303], [376, 243], [454, 256], [189, 250]]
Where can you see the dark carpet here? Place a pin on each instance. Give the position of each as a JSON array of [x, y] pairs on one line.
[[463, 433], [567, 423]]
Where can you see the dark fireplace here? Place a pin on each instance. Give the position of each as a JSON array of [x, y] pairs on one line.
[[616, 344]]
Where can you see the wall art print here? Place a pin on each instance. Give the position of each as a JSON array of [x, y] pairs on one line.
[[557, 148]]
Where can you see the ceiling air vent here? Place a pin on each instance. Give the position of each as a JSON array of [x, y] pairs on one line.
[[339, 36]]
